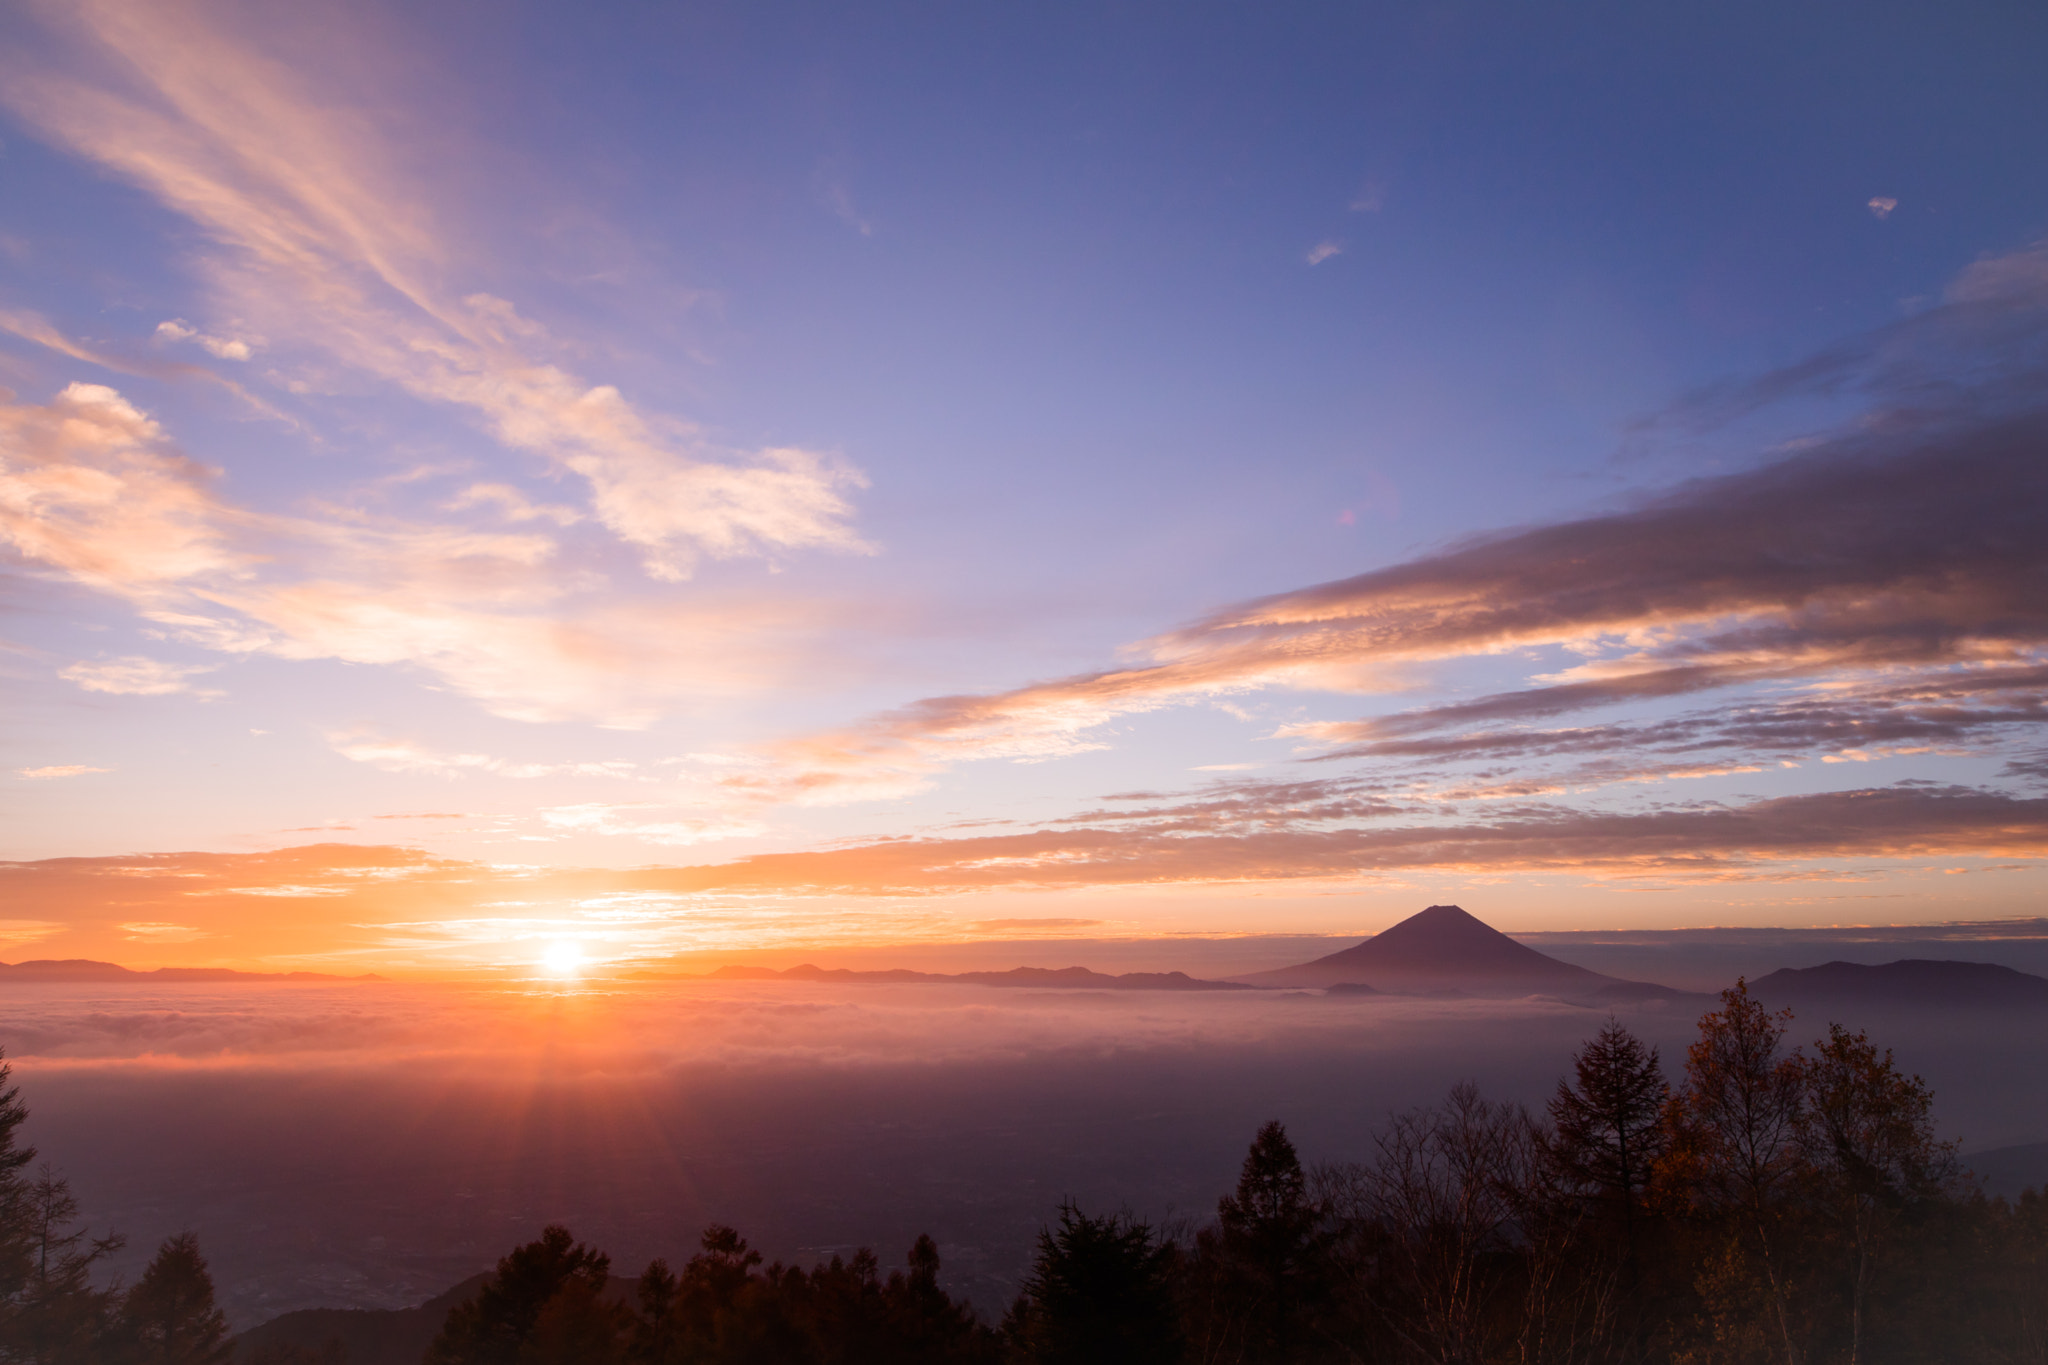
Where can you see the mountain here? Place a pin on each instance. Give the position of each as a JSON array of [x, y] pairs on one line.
[[367, 1336], [1446, 951], [1911, 981], [85, 969], [1063, 978]]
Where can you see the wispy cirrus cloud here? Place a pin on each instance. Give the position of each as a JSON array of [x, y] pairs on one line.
[[319, 238], [324, 253], [635, 820], [407, 756], [93, 490], [59, 770], [134, 676]]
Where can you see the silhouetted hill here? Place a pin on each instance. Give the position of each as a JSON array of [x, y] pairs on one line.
[[85, 969], [1913, 981], [1446, 951], [368, 1336], [1065, 978]]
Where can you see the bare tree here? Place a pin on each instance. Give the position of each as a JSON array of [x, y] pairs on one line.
[[1437, 1218]]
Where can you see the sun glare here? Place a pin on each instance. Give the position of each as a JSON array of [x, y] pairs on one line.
[[562, 959]]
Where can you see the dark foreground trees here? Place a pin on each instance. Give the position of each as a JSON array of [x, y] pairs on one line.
[[553, 1302], [51, 1313], [1101, 1292]]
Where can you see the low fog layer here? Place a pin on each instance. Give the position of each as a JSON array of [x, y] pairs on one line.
[[372, 1144]]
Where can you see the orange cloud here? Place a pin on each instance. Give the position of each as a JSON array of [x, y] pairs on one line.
[[92, 489], [392, 905]]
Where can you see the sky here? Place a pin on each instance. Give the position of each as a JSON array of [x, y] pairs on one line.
[[686, 479]]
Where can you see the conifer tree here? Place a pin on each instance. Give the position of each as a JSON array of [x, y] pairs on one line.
[[500, 1323], [1100, 1293], [1267, 1230], [169, 1317], [1608, 1127]]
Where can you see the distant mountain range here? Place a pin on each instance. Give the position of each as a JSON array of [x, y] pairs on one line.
[[85, 969], [1071, 978], [1441, 952], [1444, 951], [1913, 981]]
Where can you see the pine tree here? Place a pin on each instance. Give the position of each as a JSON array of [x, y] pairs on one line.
[[170, 1316], [1100, 1293], [1608, 1128], [17, 1238], [500, 1323], [1267, 1233], [59, 1314]]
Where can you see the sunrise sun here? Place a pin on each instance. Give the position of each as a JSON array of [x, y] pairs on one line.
[[564, 958]]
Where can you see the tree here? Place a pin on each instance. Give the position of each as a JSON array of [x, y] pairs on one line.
[[58, 1315], [1736, 1140], [1608, 1128], [1100, 1293], [496, 1326], [1266, 1234], [17, 1238], [1870, 1135], [169, 1317], [1441, 1226], [928, 1327]]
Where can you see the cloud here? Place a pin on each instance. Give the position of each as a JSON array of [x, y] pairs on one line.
[[134, 676], [220, 348], [35, 328], [59, 770], [390, 904], [1954, 706], [512, 504], [90, 488], [1323, 251], [151, 932], [1905, 542], [1881, 207], [628, 821], [93, 490], [406, 756], [1209, 841], [837, 196], [320, 240]]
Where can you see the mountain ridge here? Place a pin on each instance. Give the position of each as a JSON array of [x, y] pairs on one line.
[[88, 969], [1447, 950], [1941, 982]]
